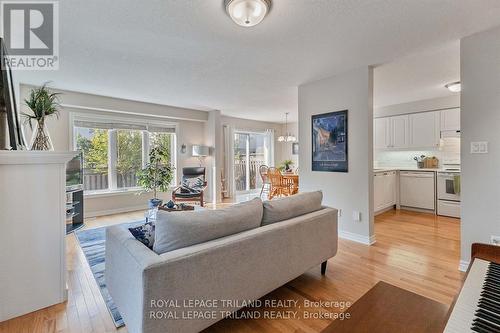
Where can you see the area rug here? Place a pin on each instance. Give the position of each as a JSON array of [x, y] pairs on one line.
[[93, 244]]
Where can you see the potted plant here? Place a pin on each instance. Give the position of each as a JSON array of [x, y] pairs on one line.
[[157, 175], [286, 166], [43, 104]]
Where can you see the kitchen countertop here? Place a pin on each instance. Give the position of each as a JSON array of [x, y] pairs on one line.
[[385, 169]]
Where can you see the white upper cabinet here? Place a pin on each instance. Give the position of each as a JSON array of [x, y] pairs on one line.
[[450, 120], [381, 133], [424, 129], [399, 131]]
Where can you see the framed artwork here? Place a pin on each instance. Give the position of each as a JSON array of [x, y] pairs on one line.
[[295, 148], [329, 142]]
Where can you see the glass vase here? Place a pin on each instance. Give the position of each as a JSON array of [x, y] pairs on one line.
[[41, 138]]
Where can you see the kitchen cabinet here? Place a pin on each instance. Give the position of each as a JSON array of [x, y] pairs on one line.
[[399, 131], [391, 132], [385, 190], [424, 129], [450, 120], [382, 135]]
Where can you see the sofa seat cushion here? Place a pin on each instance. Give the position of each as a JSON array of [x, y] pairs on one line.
[[289, 207], [175, 230]]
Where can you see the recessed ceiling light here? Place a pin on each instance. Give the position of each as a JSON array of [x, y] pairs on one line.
[[247, 13], [454, 87]]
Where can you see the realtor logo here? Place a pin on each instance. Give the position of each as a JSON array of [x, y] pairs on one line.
[[31, 33]]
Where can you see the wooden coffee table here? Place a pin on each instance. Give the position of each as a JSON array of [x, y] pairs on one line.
[[386, 308]]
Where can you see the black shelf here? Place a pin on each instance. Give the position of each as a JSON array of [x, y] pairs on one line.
[[74, 211], [73, 227]]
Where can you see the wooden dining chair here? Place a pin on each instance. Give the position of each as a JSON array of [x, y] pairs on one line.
[[266, 184], [279, 187]]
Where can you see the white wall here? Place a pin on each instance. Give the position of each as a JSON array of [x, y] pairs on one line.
[[352, 191], [189, 132], [480, 119]]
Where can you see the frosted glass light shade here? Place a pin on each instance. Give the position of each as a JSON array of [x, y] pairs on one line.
[[247, 13], [200, 151]]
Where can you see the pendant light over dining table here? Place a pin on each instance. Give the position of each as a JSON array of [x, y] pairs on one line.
[[287, 136], [247, 13]]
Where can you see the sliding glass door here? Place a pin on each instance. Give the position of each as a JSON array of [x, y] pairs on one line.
[[250, 152]]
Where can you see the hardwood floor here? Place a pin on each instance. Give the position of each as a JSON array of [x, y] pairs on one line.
[[415, 251]]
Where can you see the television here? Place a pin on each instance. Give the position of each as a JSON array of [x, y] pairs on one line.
[[74, 173], [8, 105]]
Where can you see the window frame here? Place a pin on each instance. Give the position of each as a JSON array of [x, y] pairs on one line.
[[113, 148]]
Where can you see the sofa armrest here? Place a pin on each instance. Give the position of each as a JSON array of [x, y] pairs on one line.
[[126, 259]]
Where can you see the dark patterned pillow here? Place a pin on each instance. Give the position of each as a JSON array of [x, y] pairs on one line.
[[192, 185], [144, 233]]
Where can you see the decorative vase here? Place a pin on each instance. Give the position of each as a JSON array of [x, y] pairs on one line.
[[41, 138], [153, 203]]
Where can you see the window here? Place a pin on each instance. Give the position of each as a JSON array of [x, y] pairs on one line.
[[129, 157], [113, 152], [249, 155], [94, 145]]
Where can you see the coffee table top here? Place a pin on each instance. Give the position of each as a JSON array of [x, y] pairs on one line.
[[387, 308]]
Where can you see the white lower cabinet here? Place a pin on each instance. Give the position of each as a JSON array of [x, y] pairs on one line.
[[385, 189]]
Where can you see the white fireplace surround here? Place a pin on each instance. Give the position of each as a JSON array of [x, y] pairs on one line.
[[32, 220]]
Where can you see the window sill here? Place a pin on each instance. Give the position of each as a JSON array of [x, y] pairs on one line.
[[112, 193]]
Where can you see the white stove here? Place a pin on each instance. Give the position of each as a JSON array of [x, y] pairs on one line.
[[448, 191]]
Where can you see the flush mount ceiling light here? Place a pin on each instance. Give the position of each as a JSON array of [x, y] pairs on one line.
[[287, 137], [454, 86], [247, 13]]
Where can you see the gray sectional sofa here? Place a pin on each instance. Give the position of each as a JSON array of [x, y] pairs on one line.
[[206, 264]]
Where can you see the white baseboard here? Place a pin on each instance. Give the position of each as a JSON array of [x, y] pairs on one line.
[[115, 211], [357, 237], [463, 265]]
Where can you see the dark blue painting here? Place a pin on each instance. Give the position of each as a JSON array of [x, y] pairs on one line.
[[329, 142]]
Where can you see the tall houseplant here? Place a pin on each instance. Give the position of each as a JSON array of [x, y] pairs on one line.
[[157, 175], [43, 103]]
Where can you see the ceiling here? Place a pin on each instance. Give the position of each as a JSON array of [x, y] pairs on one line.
[[190, 54], [418, 76]]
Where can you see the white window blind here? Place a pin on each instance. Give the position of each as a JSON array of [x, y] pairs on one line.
[[125, 126]]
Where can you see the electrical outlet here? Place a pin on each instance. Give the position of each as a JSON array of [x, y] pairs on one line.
[[495, 240]]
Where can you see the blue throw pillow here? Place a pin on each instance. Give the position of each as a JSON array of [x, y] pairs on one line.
[[144, 233]]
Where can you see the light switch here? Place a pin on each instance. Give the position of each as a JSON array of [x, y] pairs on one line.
[[480, 147], [356, 216]]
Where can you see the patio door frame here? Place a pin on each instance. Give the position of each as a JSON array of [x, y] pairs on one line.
[[247, 167]]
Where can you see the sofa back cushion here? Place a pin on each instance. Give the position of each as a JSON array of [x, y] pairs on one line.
[[289, 207], [175, 230]]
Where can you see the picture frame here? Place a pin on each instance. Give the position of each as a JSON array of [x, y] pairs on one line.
[[329, 133], [295, 148]]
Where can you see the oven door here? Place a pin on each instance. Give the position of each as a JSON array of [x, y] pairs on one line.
[[446, 187]]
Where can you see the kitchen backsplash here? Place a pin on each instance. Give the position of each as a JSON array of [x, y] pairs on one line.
[[448, 153]]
